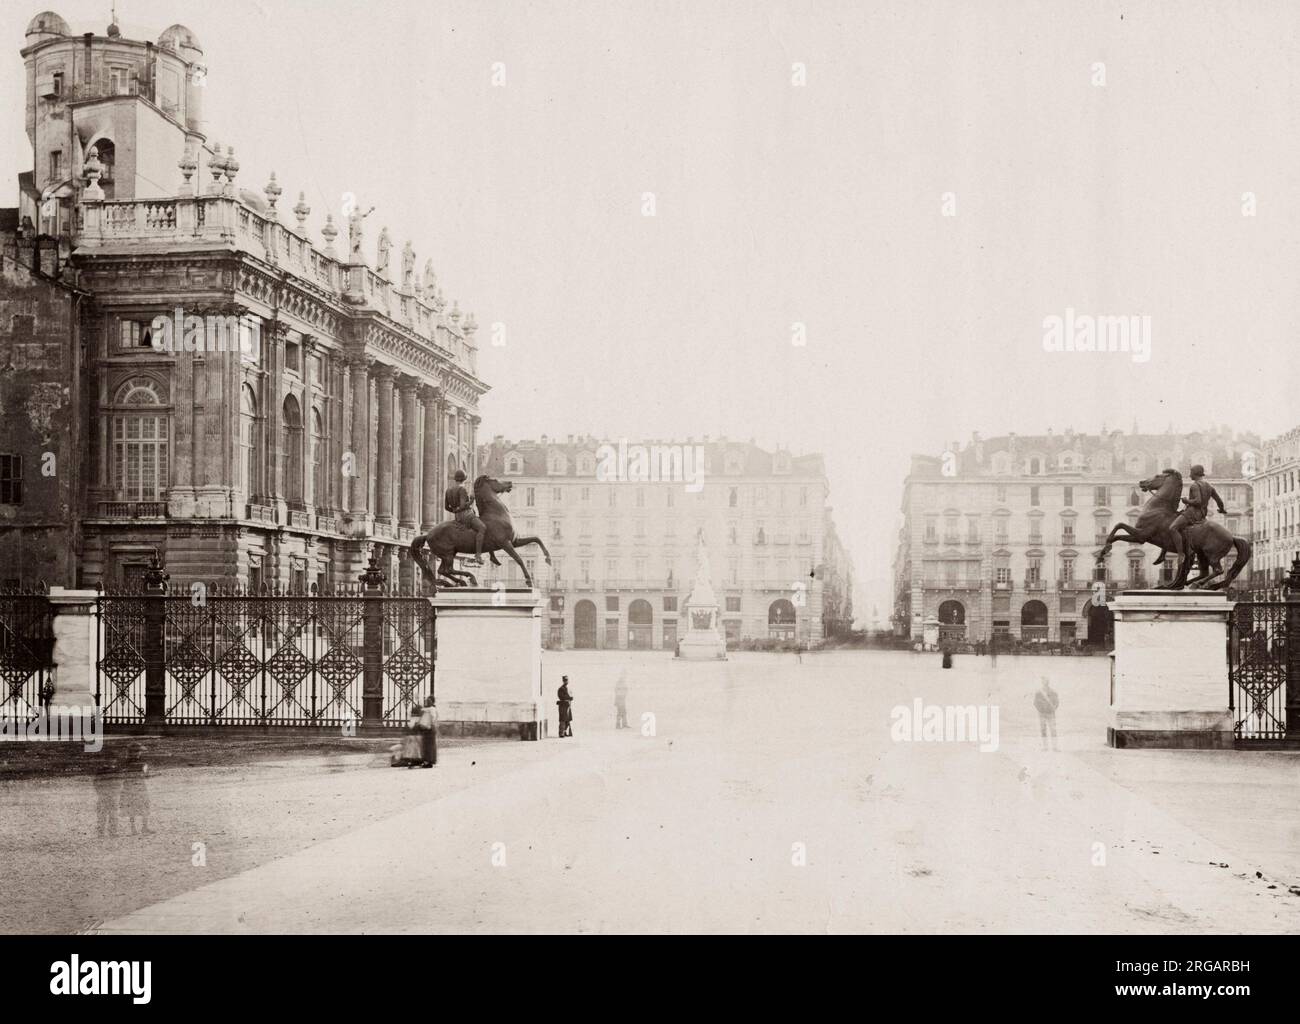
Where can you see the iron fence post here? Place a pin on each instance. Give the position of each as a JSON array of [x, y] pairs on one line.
[[154, 647], [372, 687], [1292, 648]]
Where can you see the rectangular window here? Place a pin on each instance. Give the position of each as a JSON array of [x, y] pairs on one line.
[[1033, 495], [1067, 568], [11, 479], [586, 495], [1101, 496], [1069, 496], [611, 602], [530, 496], [1034, 571], [56, 164], [119, 80], [57, 78], [1002, 574], [733, 604], [555, 495], [556, 533], [1067, 531], [670, 603], [135, 334], [293, 357], [1001, 493]]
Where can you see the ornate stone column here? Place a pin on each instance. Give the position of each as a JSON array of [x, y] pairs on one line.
[[474, 420], [431, 510], [452, 447], [358, 480], [383, 375], [409, 505]]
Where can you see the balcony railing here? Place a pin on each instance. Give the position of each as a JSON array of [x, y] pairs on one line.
[[1035, 585], [1002, 585], [133, 509], [1074, 584], [223, 218]]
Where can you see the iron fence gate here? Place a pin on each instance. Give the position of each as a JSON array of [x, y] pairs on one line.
[[1258, 669], [26, 651], [356, 657]]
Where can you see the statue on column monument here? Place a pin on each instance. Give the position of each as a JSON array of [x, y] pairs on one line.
[[704, 640]]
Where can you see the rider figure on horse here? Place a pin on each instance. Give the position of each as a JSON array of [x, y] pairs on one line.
[[1199, 495], [458, 502]]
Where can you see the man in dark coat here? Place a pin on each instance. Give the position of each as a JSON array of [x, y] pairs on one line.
[[565, 702], [458, 502]]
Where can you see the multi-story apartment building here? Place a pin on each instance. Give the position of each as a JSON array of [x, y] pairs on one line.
[[624, 542], [1000, 535], [253, 407], [1277, 508]]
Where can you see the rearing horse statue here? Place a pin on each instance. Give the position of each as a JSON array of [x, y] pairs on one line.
[[1207, 541], [449, 539]]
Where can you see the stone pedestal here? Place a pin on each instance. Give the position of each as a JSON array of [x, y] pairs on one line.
[[76, 643], [1169, 676], [703, 640], [488, 676]]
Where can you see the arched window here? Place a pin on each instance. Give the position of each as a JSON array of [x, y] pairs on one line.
[[291, 448], [250, 468], [319, 495], [140, 434]]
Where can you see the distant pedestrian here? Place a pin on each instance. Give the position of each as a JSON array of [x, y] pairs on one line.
[[620, 701], [135, 790], [1046, 701], [429, 734], [947, 655], [108, 798], [565, 703]]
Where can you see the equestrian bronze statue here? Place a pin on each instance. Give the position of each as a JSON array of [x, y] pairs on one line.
[[1197, 537], [449, 539]]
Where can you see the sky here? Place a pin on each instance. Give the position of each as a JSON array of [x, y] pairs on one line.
[[918, 184]]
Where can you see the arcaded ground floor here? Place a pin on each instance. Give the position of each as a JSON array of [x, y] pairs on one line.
[[767, 793]]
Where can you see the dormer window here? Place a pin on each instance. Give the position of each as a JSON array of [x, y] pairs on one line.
[[514, 464], [586, 464], [557, 465], [735, 463]]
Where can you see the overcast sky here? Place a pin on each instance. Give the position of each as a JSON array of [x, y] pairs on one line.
[[779, 204]]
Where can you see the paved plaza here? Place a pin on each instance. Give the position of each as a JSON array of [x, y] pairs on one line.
[[769, 797]]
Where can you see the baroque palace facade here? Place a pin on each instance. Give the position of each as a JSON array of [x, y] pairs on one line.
[[623, 540], [1000, 535], [308, 406]]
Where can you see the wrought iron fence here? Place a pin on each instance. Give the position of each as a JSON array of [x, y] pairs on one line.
[[354, 657], [1257, 669], [26, 651]]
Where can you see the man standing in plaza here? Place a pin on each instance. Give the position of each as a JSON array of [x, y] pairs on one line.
[[458, 502], [564, 700], [620, 701], [1046, 701]]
